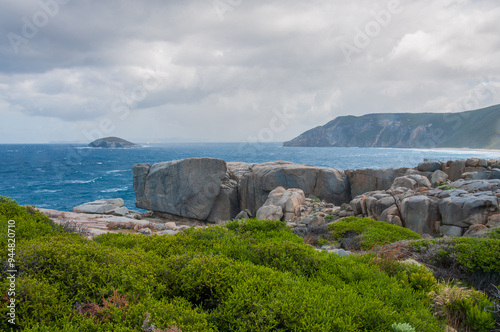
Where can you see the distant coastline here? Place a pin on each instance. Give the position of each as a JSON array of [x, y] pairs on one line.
[[477, 129]]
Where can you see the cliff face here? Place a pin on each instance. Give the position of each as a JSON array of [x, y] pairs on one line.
[[471, 129]]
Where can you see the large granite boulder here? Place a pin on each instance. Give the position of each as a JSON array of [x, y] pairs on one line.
[[290, 202], [465, 209], [476, 162], [494, 163], [429, 166], [453, 231], [412, 181], [270, 212], [455, 169], [420, 214], [378, 207], [483, 175], [474, 186], [113, 206], [495, 174], [366, 180], [404, 182], [438, 177], [392, 216], [494, 220], [186, 188], [259, 180]]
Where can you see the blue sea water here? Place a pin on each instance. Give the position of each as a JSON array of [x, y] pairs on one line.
[[61, 176]]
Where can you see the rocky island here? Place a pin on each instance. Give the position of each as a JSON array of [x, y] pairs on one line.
[[478, 129], [112, 143]]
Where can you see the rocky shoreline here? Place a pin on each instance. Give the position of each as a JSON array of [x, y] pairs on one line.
[[435, 198]]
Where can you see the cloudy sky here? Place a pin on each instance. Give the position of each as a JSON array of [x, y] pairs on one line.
[[236, 70]]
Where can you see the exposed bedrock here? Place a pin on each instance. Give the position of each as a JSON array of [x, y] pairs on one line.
[[212, 190], [365, 180], [328, 184]]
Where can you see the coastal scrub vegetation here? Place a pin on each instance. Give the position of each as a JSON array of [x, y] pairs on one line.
[[474, 261], [364, 233], [246, 275]]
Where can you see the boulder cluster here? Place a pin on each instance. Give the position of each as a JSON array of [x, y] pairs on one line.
[[436, 198], [212, 190], [463, 206]]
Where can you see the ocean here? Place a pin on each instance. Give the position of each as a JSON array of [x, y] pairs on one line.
[[61, 176]]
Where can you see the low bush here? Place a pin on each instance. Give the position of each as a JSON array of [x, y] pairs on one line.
[[29, 224], [365, 233], [494, 233], [472, 260], [330, 217], [463, 308]]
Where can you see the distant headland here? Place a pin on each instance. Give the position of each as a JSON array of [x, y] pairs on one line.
[[478, 129], [112, 143]]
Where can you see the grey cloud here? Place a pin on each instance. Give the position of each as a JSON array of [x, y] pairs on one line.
[[179, 63]]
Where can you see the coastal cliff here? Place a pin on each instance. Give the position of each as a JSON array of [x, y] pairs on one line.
[[478, 129]]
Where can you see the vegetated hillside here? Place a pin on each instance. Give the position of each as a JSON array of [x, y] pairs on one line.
[[246, 275], [476, 129]]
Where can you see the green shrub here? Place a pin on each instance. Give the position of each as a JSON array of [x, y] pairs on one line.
[[414, 275], [494, 233], [329, 218], [478, 254], [29, 224], [4, 199], [84, 270], [446, 187], [321, 241], [475, 261], [463, 308], [367, 233], [255, 227]]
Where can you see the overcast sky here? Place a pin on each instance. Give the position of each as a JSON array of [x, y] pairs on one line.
[[236, 70]]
